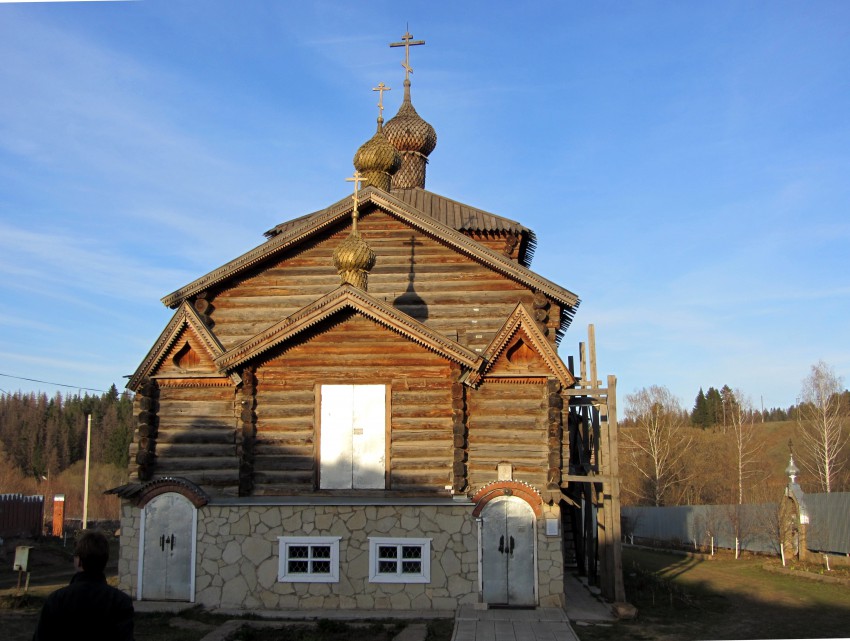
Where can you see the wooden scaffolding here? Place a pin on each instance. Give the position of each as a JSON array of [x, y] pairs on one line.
[[591, 489]]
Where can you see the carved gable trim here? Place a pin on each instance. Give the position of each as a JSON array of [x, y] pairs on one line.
[[185, 319], [520, 340], [348, 297]]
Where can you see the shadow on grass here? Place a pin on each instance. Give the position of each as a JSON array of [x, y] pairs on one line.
[[680, 598]]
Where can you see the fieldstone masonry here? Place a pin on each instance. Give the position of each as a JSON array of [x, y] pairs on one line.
[[236, 566]]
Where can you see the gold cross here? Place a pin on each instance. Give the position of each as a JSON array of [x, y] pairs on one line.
[[381, 88], [407, 42], [356, 179]]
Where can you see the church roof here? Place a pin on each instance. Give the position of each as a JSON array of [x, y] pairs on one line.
[[454, 214], [306, 227]]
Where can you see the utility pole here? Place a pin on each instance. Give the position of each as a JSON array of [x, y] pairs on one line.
[[86, 490]]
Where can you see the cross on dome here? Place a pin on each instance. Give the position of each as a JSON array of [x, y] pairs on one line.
[[381, 88], [407, 42], [356, 179]]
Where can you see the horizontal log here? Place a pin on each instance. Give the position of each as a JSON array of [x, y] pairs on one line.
[[423, 437], [412, 456], [193, 450], [266, 463], [215, 478], [282, 481], [222, 395], [173, 464], [221, 435]]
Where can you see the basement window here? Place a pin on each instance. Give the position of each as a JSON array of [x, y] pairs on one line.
[[399, 560], [308, 559]]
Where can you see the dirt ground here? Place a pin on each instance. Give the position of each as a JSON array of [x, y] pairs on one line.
[[679, 598]]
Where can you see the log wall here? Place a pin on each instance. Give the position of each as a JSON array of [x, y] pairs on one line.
[[508, 423], [353, 350], [195, 435], [420, 276]]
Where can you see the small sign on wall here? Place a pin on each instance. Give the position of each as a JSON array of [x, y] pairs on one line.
[[553, 527]]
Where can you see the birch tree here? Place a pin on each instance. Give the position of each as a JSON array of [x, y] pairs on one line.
[[746, 446], [656, 443], [822, 432]]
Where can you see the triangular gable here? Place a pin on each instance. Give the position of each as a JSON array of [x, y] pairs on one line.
[[455, 214], [322, 220], [352, 298], [520, 349], [186, 329]]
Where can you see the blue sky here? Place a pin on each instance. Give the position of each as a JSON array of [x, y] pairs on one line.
[[684, 164]]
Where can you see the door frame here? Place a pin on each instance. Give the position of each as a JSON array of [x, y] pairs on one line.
[[480, 520], [192, 553]]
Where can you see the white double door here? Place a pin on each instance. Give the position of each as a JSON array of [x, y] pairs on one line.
[[507, 553], [168, 549], [353, 436]]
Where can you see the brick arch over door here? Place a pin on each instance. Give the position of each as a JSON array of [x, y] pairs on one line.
[[508, 488]]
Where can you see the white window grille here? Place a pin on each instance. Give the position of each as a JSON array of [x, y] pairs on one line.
[[308, 559], [399, 560]]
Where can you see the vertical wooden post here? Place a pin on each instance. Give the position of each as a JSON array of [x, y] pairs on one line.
[[619, 592], [591, 344], [604, 512], [582, 364]]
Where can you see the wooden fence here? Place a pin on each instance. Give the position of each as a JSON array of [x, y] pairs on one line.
[[21, 516]]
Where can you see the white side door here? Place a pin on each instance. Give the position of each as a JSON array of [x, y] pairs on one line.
[[168, 549]]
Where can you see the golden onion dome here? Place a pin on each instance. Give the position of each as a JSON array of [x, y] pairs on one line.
[[354, 259], [407, 131], [377, 160]]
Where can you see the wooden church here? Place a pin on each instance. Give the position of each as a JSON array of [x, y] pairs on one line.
[[368, 411]]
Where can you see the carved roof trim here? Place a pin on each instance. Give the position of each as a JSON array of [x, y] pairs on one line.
[[521, 318], [140, 494], [349, 297], [472, 248], [308, 226], [184, 317]]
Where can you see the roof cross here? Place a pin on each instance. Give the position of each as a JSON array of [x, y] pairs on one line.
[[407, 42], [356, 179], [381, 88]]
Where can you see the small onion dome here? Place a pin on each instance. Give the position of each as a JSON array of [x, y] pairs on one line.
[[353, 259], [377, 160], [414, 138]]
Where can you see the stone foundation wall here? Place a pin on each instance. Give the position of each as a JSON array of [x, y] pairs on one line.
[[238, 554], [550, 562], [128, 554]]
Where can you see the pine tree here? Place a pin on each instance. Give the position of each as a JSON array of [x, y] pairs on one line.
[[699, 415], [714, 407]]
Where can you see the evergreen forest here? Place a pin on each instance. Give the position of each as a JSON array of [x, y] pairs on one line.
[[43, 447]]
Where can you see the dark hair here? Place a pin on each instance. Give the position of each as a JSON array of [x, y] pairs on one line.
[[93, 551]]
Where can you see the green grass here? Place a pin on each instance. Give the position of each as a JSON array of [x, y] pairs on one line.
[[680, 598]]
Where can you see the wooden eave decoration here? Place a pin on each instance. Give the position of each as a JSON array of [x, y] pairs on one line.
[[340, 212], [184, 318], [140, 494], [522, 320], [348, 297]]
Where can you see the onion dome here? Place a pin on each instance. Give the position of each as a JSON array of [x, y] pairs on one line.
[[415, 139], [354, 259], [377, 160]]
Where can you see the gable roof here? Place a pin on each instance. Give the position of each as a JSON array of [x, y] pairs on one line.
[[454, 214], [184, 317], [308, 226], [522, 319], [348, 297]]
